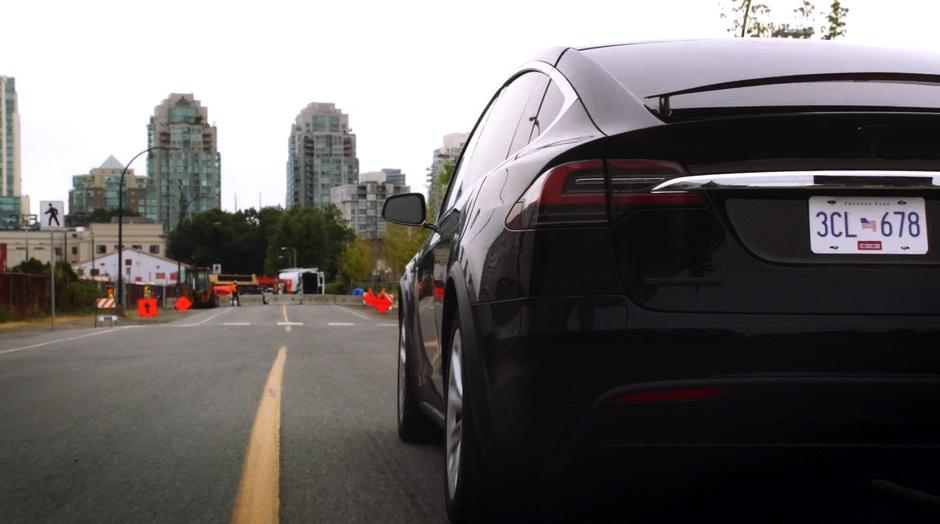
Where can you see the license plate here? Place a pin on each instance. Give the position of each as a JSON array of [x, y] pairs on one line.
[[867, 225]]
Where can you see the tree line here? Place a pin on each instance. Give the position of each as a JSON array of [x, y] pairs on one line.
[[269, 240], [754, 18], [261, 241]]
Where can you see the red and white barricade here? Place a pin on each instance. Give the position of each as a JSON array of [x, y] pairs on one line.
[[108, 304]]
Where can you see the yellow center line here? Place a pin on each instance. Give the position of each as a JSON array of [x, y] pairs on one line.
[[284, 309], [258, 498]]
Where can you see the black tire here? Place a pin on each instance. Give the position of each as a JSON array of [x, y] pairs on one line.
[[472, 498], [414, 426]]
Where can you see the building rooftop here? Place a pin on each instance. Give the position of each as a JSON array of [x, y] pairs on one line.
[[112, 163]]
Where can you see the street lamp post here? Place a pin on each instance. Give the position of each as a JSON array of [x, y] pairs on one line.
[[120, 252], [184, 205]]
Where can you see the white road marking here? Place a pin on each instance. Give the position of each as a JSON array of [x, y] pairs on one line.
[[236, 323], [340, 324], [42, 344], [351, 312], [210, 317], [286, 323], [290, 323]]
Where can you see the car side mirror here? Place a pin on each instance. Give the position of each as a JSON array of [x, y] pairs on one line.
[[407, 209]]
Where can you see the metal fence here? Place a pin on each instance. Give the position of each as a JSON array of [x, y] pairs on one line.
[[137, 291], [23, 296]]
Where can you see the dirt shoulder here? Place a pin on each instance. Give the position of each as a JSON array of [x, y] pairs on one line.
[[73, 321]]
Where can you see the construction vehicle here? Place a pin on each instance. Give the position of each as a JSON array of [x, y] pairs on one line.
[[199, 288], [247, 284]]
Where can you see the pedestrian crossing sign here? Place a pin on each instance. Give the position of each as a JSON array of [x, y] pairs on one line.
[[52, 215]]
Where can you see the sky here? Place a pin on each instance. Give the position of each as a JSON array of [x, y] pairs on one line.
[[89, 74]]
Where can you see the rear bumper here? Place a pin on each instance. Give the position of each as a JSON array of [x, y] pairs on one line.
[[808, 411], [551, 367]]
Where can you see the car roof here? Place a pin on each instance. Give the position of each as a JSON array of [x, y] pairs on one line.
[[652, 68]]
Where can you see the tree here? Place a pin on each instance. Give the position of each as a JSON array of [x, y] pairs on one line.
[[355, 261], [750, 18], [317, 235], [401, 243], [32, 266], [802, 26], [835, 20], [235, 240]]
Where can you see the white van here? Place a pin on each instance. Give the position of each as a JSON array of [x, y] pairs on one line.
[[309, 281]]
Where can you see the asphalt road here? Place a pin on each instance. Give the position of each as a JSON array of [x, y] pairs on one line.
[[155, 423], [151, 423]]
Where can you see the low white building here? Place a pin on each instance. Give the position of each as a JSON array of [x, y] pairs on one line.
[[139, 268]]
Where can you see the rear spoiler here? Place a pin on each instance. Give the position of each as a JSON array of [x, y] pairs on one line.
[[664, 109], [805, 180]]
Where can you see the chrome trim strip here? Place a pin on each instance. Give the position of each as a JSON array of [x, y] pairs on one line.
[[563, 85], [790, 179], [586, 181], [558, 78]]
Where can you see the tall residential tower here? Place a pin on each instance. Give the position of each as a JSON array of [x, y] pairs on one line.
[[321, 155], [12, 203], [186, 174]]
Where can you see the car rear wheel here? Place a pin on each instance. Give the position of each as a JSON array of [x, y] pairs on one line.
[[466, 485], [413, 425]]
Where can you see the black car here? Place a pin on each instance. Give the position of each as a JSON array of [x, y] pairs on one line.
[[699, 245]]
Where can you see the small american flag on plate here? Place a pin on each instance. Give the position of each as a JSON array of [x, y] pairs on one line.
[[869, 224]]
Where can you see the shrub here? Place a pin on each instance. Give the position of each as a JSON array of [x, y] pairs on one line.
[[79, 295], [337, 288]]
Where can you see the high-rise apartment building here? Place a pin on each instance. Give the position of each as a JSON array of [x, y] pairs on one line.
[[321, 155], [453, 145], [12, 203], [185, 172], [393, 176], [361, 204], [99, 190]]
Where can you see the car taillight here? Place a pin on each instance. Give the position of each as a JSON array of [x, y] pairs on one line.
[[578, 193]]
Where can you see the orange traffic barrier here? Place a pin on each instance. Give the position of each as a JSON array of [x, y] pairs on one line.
[[383, 302], [368, 298], [182, 304], [147, 307]]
